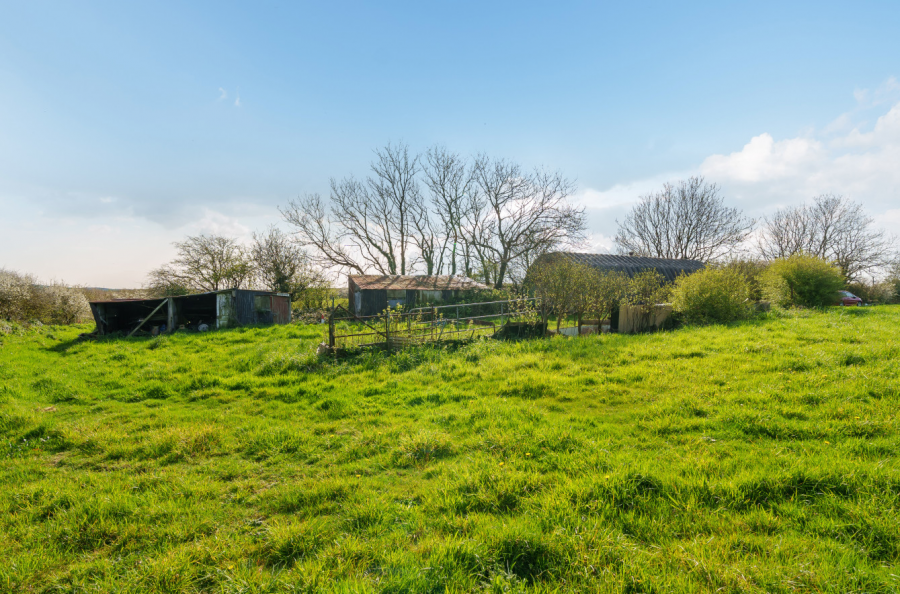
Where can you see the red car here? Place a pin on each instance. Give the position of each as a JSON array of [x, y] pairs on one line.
[[848, 298]]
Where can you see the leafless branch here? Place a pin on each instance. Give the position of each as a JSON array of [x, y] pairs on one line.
[[688, 220]]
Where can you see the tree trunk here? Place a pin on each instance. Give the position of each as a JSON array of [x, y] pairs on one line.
[[501, 273]]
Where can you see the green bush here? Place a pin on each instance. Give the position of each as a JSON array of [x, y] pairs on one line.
[[874, 294], [802, 280], [752, 271], [712, 295], [893, 280]]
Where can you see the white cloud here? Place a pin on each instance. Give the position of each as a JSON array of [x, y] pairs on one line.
[[621, 194], [886, 92], [237, 100], [885, 132], [846, 157], [223, 94], [764, 159], [861, 164], [216, 223], [598, 243]]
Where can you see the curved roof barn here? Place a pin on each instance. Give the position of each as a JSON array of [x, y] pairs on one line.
[[631, 265]]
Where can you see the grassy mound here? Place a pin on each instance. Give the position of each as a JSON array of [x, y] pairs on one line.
[[756, 457]]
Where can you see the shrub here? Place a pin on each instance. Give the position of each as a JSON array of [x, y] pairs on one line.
[[644, 294], [752, 271], [15, 295], [22, 299], [647, 287], [63, 305], [893, 280], [802, 280], [875, 293], [712, 295]]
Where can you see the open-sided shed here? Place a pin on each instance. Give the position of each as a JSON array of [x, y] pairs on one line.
[[371, 294], [218, 309]]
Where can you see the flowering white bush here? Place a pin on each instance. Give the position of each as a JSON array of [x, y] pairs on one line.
[[15, 295], [63, 305], [22, 299]]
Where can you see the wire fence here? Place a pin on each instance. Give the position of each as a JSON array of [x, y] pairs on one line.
[[394, 328]]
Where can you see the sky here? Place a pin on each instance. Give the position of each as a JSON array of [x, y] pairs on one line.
[[125, 126]]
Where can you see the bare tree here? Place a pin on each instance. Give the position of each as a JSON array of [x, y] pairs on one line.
[[449, 182], [167, 281], [428, 236], [491, 218], [281, 265], [320, 227], [833, 228], [396, 185], [206, 263], [367, 225], [515, 214], [688, 220]]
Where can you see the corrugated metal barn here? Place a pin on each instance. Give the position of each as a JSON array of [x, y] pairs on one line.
[[631, 265], [371, 294], [624, 318], [218, 309]]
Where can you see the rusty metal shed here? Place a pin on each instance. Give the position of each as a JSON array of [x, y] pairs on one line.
[[217, 309], [371, 294]]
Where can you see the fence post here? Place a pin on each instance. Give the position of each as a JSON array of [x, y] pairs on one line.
[[387, 329], [331, 326], [433, 321], [544, 321]]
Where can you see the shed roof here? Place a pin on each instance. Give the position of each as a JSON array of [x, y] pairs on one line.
[[190, 295], [631, 265], [416, 283]]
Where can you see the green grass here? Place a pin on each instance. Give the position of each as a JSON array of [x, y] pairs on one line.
[[757, 457]]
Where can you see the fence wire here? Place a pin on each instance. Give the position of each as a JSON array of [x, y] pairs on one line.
[[397, 329]]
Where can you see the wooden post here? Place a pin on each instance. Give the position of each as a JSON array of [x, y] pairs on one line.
[[331, 325], [172, 317], [544, 320], [387, 329], [433, 321], [156, 309]]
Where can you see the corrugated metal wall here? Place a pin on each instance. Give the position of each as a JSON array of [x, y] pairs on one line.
[[351, 289], [281, 309], [260, 307], [374, 301], [244, 312]]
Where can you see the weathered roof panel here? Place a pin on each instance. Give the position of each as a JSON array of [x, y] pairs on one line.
[[254, 291], [397, 282]]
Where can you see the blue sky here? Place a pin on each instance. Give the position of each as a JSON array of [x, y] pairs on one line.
[[124, 127]]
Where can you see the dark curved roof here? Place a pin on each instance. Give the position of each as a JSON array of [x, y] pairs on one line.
[[631, 265]]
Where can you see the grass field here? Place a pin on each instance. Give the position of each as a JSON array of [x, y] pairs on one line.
[[758, 457]]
